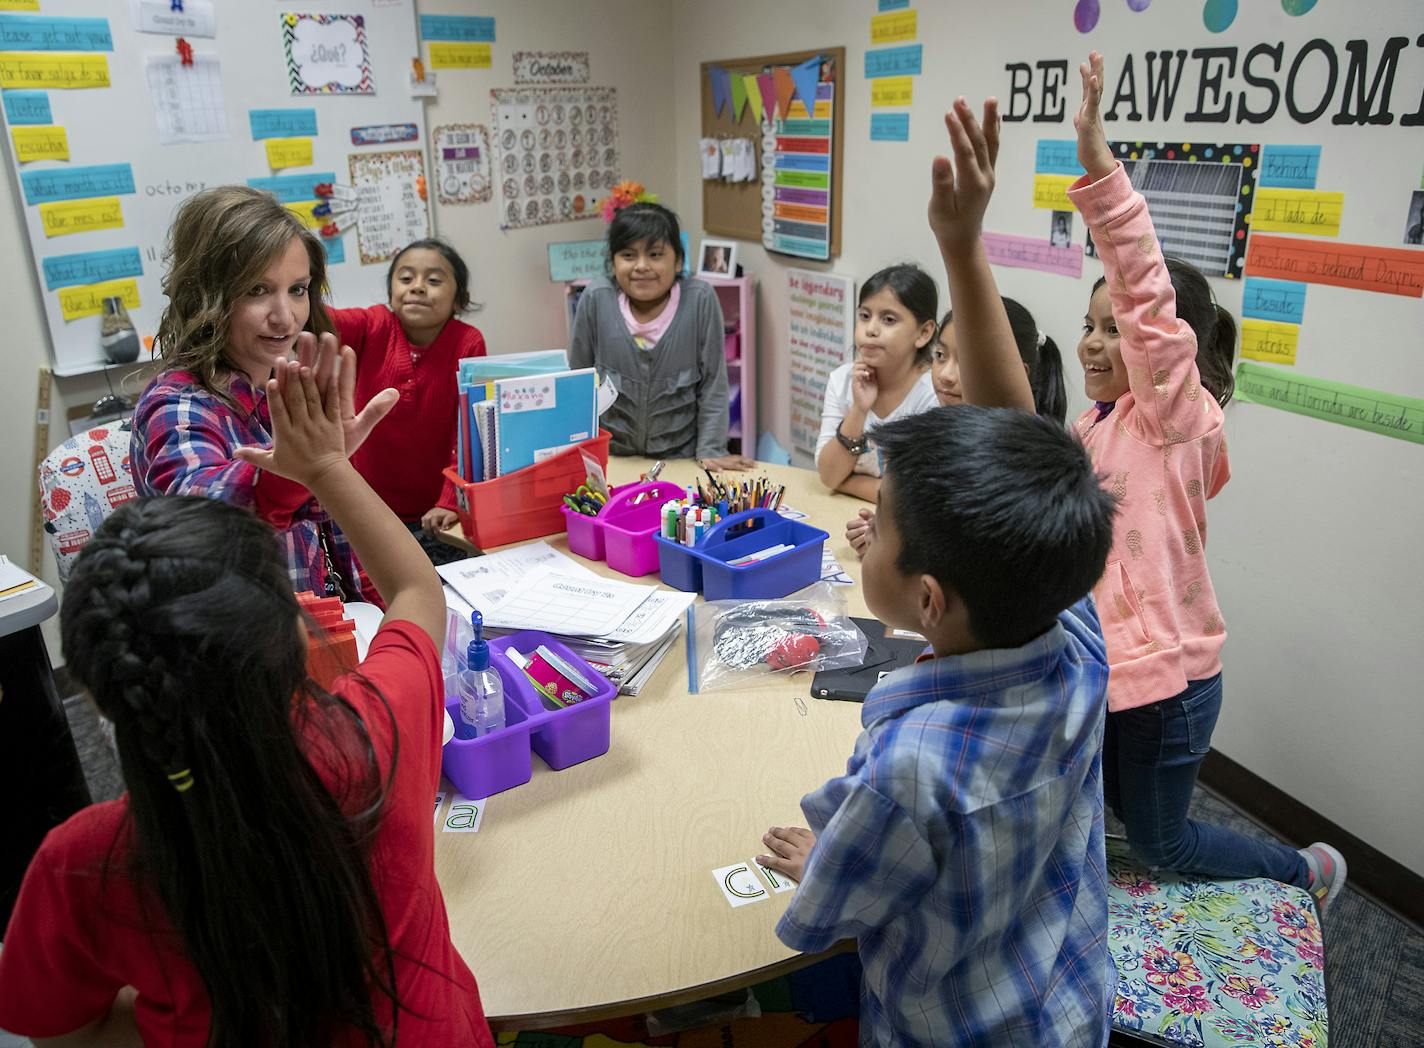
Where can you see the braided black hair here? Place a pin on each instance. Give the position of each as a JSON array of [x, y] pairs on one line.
[[180, 621]]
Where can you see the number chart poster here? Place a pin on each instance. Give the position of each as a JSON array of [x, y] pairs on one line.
[[558, 152]]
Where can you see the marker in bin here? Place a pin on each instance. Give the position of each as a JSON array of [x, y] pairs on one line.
[[761, 554], [687, 521]]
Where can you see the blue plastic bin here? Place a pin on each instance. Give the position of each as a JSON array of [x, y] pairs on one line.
[[706, 566]]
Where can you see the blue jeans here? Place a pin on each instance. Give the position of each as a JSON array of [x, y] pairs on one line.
[[1151, 756]]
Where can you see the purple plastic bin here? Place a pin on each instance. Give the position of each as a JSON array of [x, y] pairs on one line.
[[630, 532], [566, 736], [501, 760], [495, 762]]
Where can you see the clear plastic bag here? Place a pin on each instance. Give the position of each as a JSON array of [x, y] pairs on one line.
[[733, 642]]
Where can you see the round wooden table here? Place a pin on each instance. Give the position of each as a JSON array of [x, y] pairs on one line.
[[588, 893]]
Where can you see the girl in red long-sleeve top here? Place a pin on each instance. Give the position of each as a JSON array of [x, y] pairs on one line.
[[414, 344]]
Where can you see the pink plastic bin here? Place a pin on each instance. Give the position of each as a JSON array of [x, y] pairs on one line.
[[623, 533], [501, 760]]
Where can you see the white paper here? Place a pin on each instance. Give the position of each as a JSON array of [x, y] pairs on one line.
[[570, 605], [740, 885], [483, 581], [831, 570], [653, 618], [711, 158], [729, 160], [12, 576], [465, 814], [187, 100], [779, 882], [439, 800], [196, 19]]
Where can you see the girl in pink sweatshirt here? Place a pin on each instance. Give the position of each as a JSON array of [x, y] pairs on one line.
[[1156, 354]]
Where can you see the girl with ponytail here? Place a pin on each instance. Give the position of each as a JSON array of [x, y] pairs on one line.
[[268, 878], [1042, 363]]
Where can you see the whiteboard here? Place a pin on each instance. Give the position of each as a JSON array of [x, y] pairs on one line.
[[118, 125]]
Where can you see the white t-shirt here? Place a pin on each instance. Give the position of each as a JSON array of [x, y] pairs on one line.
[[838, 401]]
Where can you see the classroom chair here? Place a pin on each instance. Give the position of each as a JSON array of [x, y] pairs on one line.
[[1213, 962], [81, 483]]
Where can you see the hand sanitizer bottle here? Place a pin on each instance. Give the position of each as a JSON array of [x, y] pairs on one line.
[[481, 689]]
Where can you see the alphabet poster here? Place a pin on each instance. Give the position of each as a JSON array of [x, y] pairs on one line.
[[558, 152], [326, 54]]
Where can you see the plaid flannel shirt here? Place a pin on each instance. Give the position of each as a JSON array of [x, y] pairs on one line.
[[963, 849], [182, 444]]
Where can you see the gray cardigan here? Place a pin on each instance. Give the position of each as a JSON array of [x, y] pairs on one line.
[[672, 398]]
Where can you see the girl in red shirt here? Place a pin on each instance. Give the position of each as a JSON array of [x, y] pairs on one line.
[[414, 344], [268, 877]]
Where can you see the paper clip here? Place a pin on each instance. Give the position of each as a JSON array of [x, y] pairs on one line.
[[176, 5], [321, 211], [331, 229], [185, 51], [322, 189], [418, 68]]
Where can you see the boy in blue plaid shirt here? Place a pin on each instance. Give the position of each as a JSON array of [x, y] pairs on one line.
[[963, 847]]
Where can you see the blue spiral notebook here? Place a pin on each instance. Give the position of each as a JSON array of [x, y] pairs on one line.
[[540, 415]]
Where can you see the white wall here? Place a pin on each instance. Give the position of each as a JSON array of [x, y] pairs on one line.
[[1316, 544]]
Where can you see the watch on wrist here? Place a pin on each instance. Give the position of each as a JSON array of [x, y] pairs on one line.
[[856, 447]]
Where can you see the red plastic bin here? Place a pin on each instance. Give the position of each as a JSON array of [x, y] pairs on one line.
[[524, 504]]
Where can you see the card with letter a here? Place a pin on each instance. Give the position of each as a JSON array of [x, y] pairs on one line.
[[740, 885]]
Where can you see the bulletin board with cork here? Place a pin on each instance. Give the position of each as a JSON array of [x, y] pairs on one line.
[[794, 205]]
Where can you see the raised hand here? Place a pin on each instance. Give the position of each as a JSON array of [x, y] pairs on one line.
[[960, 191], [333, 369], [307, 435], [860, 531], [1093, 151]]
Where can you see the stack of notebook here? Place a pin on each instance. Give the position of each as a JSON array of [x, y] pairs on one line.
[[518, 409]]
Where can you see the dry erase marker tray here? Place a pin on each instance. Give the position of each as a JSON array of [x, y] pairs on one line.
[[624, 530], [712, 565], [524, 504], [501, 760]]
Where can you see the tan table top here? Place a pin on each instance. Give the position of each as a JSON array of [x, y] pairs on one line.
[[588, 893]]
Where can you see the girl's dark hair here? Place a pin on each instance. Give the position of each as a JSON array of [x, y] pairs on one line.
[[1045, 362], [651, 222], [1214, 327], [916, 291], [179, 620], [457, 267]]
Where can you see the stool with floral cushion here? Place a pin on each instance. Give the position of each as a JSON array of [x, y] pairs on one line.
[[1211, 963]]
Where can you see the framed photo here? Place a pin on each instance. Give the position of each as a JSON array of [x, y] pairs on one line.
[[717, 258]]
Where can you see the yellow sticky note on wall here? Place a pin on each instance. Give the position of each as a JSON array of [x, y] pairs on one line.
[[1269, 340], [81, 216], [87, 300], [1051, 192], [40, 142], [896, 25], [58, 69], [1297, 211], [452, 55], [892, 90], [19, 5], [303, 210], [289, 152]]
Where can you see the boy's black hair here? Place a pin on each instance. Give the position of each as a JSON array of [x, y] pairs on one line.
[[916, 291], [1045, 362], [457, 267], [1214, 326], [651, 222], [1001, 506]]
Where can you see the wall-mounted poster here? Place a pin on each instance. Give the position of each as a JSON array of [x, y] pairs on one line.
[[390, 209], [326, 54], [462, 163], [551, 67], [557, 151]]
